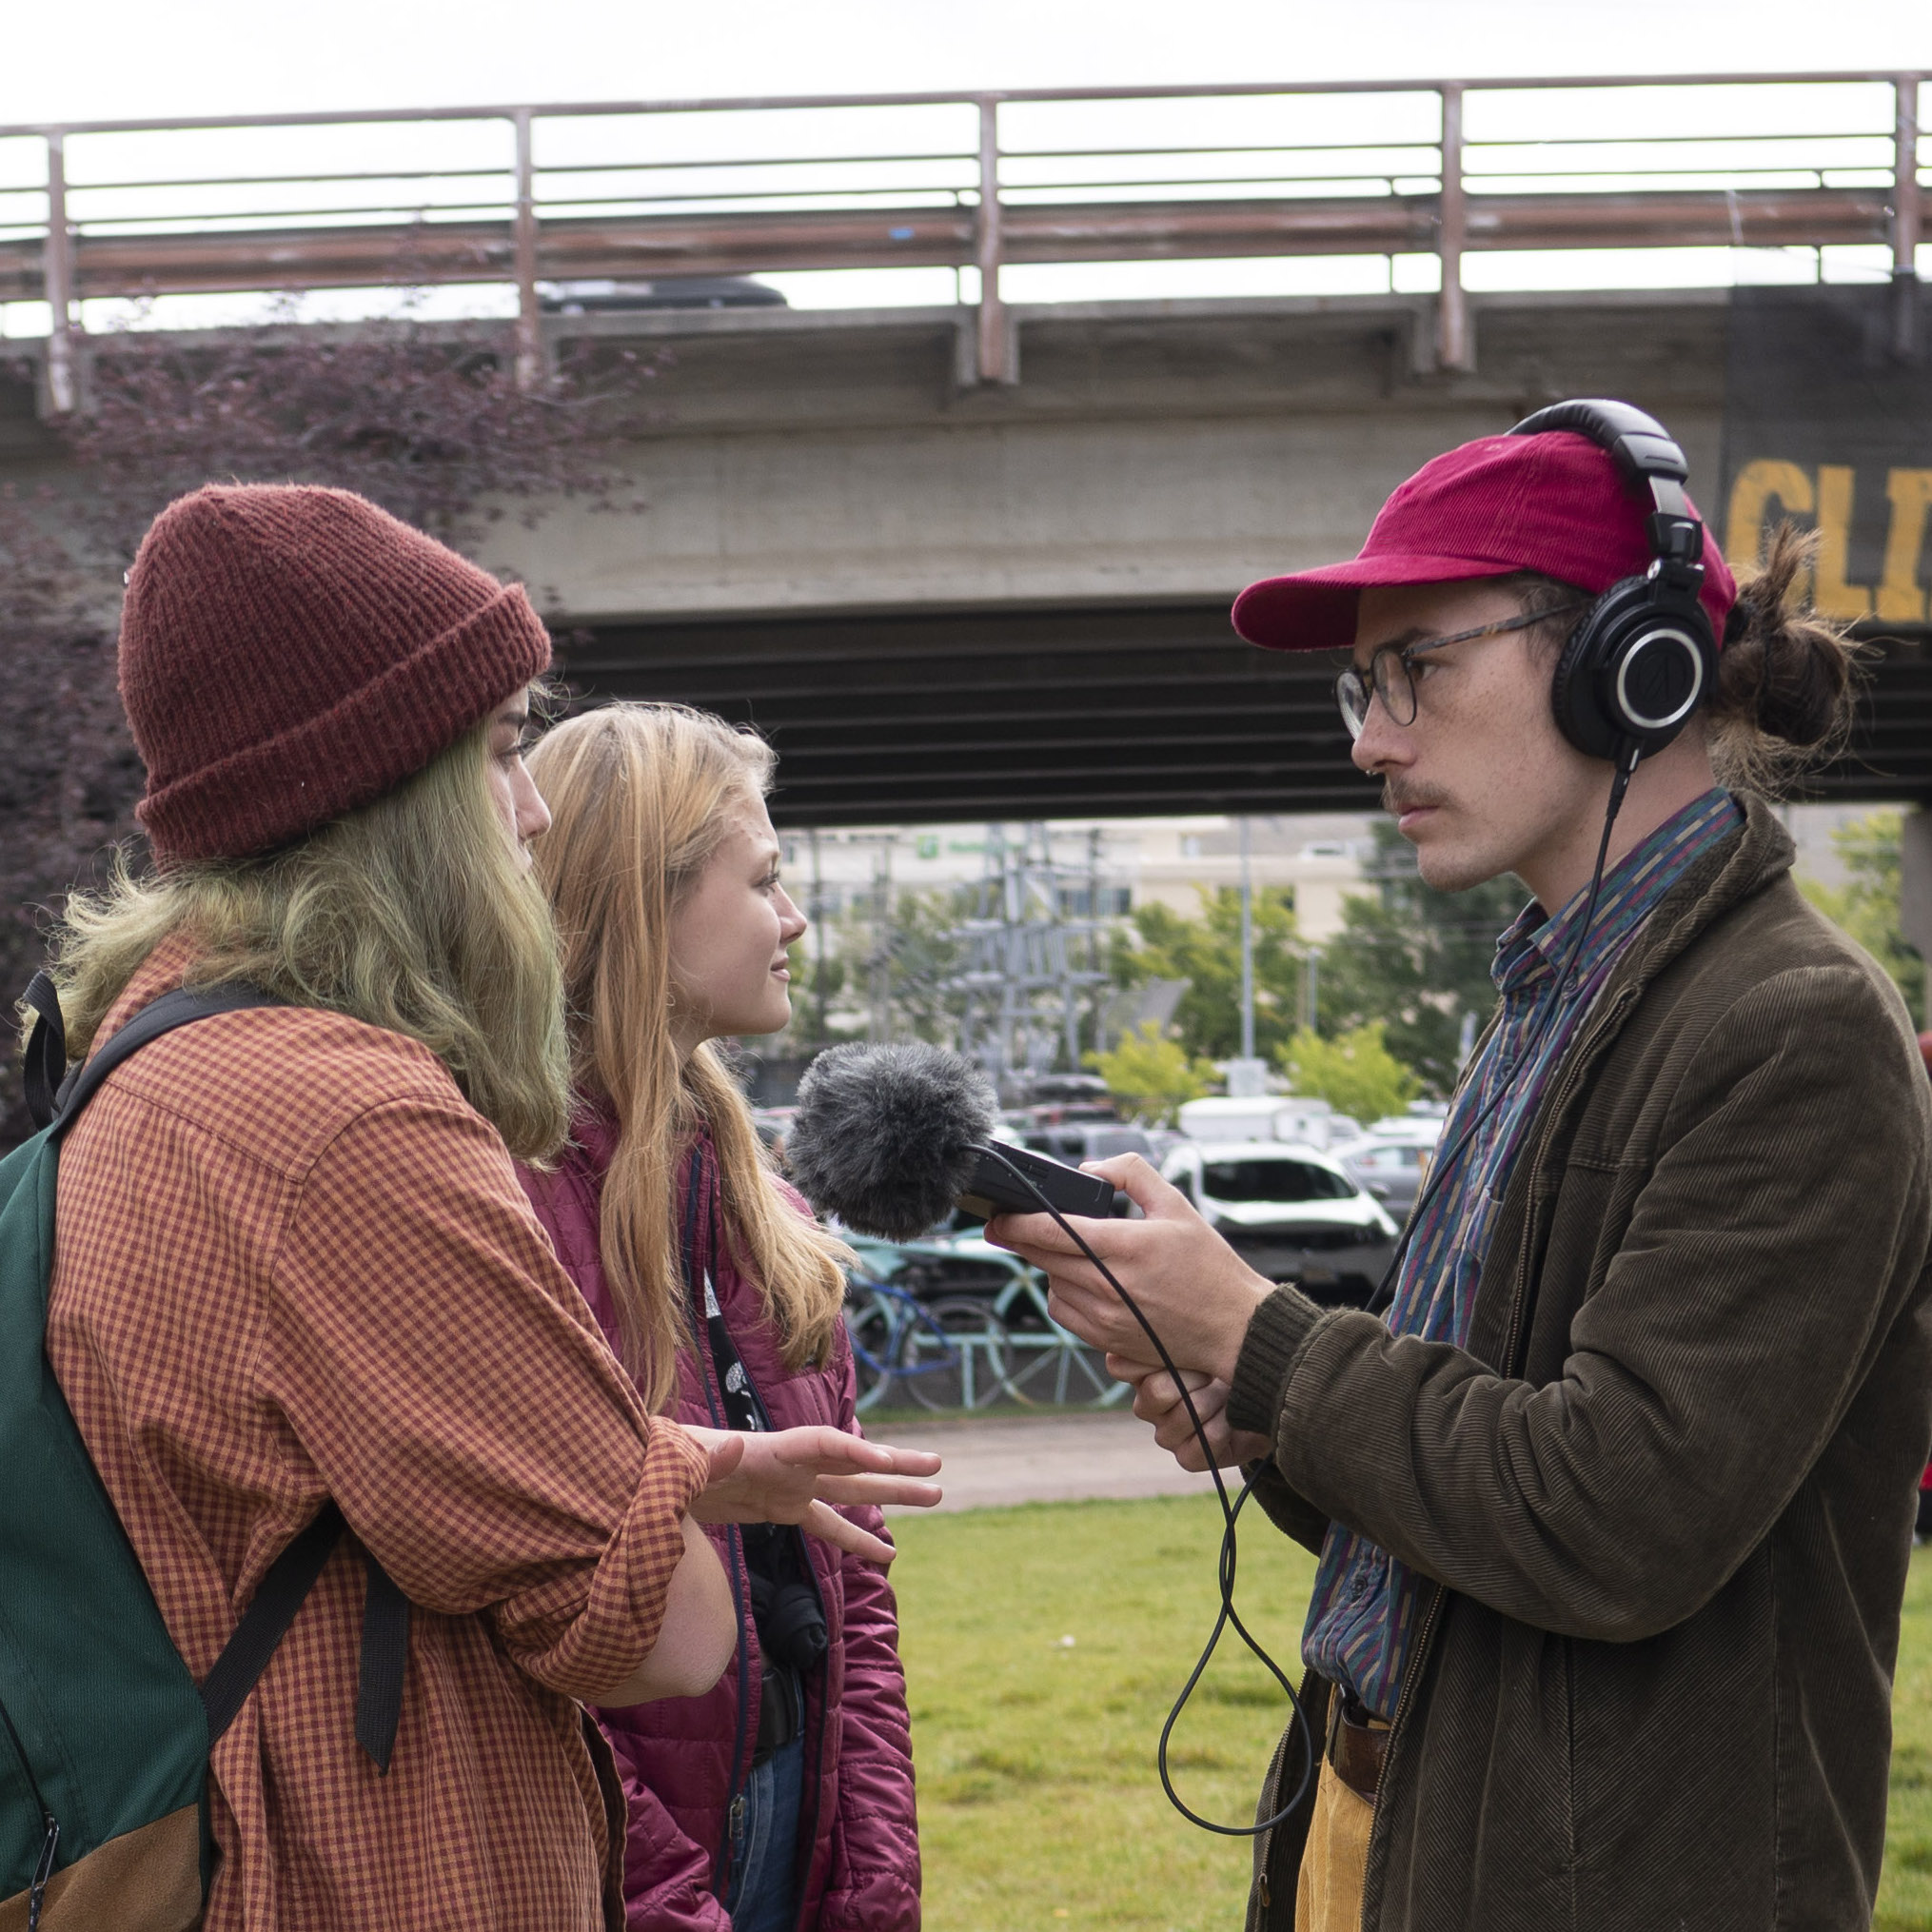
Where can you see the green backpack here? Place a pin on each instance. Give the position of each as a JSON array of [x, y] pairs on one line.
[[103, 1735]]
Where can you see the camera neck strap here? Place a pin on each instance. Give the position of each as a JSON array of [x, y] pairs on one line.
[[743, 1408], [775, 1554]]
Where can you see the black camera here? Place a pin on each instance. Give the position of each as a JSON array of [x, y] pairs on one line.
[[790, 1617]]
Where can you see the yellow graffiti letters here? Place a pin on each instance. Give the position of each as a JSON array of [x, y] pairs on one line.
[[1831, 596], [1759, 486], [1901, 599]]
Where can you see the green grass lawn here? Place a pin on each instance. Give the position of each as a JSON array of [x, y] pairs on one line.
[[1905, 1891], [1043, 1647]]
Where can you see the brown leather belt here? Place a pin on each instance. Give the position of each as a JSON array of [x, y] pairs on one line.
[[1357, 1743]]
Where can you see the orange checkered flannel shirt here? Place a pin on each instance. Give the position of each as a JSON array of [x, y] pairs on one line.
[[294, 1264]]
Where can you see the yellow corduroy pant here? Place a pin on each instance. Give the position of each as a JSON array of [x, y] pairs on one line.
[[1328, 1896]]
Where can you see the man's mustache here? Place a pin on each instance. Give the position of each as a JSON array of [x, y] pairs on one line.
[[1398, 799]]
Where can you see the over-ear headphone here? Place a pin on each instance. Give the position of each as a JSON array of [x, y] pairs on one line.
[[1645, 656]]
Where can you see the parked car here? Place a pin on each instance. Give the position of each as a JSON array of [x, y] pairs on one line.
[[942, 1263], [1267, 1116], [1392, 1160], [1292, 1214], [1393, 1171], [1074, 1141]]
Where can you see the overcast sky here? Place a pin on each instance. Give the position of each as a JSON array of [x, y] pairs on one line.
[[125, 58]]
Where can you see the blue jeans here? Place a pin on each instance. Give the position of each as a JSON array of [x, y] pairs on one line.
[[764, 1843]]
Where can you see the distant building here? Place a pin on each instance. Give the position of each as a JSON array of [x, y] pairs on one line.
[[1112, 865], [1319, 859]]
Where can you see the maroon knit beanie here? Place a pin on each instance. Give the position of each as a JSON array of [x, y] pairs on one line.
[[289, 653]]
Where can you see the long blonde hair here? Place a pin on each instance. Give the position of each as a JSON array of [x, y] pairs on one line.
[[640, 797], [411, 914]]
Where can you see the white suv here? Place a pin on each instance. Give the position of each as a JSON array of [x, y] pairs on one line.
[[1290, 1213]]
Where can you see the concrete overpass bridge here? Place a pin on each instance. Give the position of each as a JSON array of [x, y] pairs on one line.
[[973, 560], [948, 601]]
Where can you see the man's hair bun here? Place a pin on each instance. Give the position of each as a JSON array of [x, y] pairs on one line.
[[1787, 679]]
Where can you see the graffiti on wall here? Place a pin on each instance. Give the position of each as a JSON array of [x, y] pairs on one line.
[[1824, 425]]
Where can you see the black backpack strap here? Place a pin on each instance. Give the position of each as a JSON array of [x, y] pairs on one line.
[[265, 1622], [45, 1060], [159, 1017], [386, 1651]]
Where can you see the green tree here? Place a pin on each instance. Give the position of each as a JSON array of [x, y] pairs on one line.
[[1206, 952], [924, 957], [897, 966], [1354, 1072], [1416, 959], [1867, 906], [1149, 1076], [432, 428], [817, 990]]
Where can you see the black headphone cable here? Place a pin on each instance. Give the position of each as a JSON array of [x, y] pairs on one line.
[[1227, 1616]]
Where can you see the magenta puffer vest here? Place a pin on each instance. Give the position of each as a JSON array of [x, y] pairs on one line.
[[682, 1759]]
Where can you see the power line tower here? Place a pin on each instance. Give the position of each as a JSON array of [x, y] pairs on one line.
[[1031, 955]]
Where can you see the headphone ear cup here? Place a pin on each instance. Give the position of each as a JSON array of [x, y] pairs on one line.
[[1633, 671], [1573, 688]]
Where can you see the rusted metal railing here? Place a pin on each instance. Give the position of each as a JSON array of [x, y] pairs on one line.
[[521, 197]]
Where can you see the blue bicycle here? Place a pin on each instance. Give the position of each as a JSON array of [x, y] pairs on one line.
[[949, 1354]]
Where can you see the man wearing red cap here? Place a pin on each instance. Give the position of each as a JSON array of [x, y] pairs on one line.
[[1612, 1487], [294, 1267]]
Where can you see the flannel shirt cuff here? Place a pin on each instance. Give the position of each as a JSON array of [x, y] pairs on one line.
[[610, 1637], [1281, 1325]]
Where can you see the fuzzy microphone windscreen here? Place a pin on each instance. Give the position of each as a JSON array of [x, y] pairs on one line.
[[885, 1137]]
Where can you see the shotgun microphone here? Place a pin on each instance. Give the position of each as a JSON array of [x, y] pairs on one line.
[[891, 1139]]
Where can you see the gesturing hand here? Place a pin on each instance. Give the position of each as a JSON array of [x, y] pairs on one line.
[[796, 1475], [1195, 1291]]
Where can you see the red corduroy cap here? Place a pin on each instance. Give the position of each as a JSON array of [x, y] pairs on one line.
[[289, 653], [1554, 504]]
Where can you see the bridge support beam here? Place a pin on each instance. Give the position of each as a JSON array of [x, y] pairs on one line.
[[997, 360], [62, 390], [531, 372], [1908, 211], [1455, 345]]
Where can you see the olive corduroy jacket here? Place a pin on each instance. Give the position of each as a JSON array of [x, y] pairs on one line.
[[1666, 1494]]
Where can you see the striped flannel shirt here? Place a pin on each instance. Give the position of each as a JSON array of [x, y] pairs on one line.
[[294, 1264], [1362, 1616]]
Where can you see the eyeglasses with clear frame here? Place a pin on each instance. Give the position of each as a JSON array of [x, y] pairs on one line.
[[1391, 677]]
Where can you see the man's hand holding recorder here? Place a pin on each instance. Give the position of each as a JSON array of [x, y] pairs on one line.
[[1198, 1295]]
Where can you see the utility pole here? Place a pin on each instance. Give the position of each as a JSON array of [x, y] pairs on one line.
[[1096, 956], [1247, 1075], [818, 942], [1246, 948], [878, 994]]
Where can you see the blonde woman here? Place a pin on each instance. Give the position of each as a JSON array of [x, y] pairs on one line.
[[784, 1797]]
